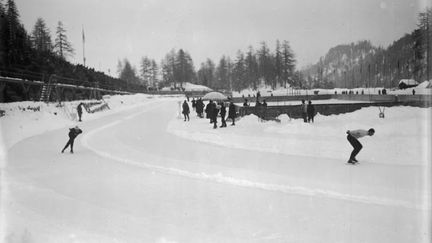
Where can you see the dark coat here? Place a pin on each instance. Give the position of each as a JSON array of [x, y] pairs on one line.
[[79, 108], [223, 111], [213, 111], [199, 106], [185, 108], [209, 109], [232, 111], [74, 132], [310, 110]]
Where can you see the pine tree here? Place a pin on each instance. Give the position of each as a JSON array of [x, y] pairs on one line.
[[184, 70], [3, 41], [278, 64], [168, 68], [288, 63], [62, 46], [146, 70], [12, 16], [266, 67], [252, 71], [221, 74], [128, 73], [154, 74], [239, 73], [14, 36], [119, 67], [41, 38]]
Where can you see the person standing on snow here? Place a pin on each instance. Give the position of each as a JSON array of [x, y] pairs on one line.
[[208, 110], [79, 110], [353, 136], [193, 104], [223, 114], [214, 112], [199, 107], [73, 133], [232, 112], [186, 110], [304, 110], [310, 112]]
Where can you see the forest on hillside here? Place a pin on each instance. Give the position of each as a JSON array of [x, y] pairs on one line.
[[363, 65], [37, 55]]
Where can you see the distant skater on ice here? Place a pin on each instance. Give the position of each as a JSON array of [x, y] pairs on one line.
[[73, 133], [353, 136]]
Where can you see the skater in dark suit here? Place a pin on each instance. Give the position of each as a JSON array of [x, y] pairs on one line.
[[185, 110], [73, 133], [353, 136]]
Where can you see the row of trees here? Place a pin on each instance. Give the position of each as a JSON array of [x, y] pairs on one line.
[[17, 43], [251, 69], [42, 42], [40, 52], [247, 70]]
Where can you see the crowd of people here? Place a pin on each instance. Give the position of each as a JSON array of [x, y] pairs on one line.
[[212, 110]]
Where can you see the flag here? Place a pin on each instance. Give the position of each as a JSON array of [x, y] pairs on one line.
[[83, 36]]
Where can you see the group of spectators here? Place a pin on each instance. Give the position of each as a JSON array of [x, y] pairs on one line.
[[380, 92], [308, 111], [212, 110]]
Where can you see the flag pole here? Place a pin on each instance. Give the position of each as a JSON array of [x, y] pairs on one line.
[[83, 40]]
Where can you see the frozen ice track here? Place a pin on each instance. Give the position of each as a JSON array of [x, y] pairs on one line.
[[229, 180]]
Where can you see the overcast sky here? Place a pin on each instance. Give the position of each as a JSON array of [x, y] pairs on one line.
[[209, 29]]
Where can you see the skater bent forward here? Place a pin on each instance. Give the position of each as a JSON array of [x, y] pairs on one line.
[[353, 136], [73, 133]]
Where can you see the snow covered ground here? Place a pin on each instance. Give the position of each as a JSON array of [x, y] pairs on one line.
[[141, 174]]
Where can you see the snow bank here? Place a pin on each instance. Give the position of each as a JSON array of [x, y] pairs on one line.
[[190, 87], [195, 87], [404, 130]]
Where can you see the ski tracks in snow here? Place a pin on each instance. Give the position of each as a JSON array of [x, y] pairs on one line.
[[228, 180]]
